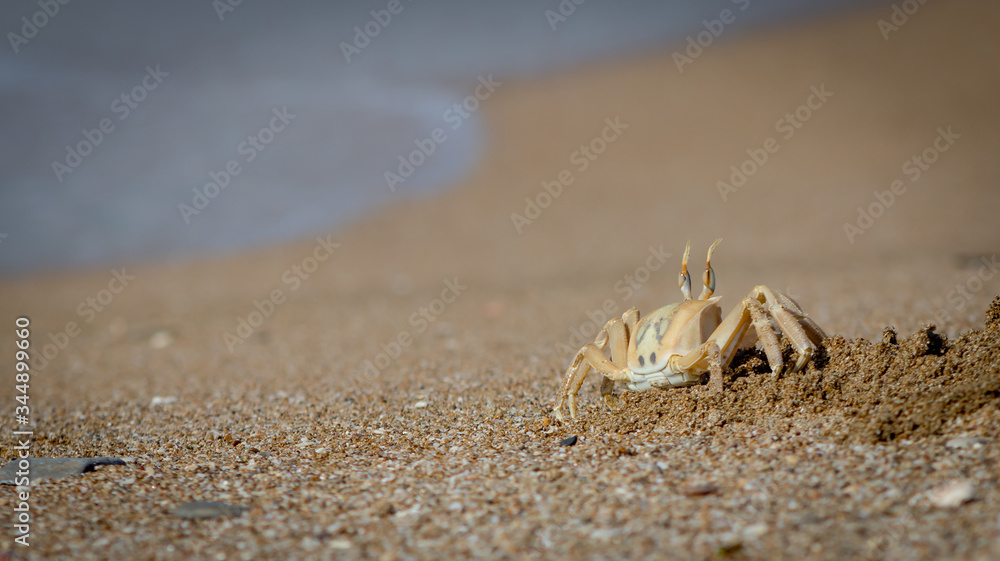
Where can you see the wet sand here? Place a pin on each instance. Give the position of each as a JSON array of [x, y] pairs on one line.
[[394, 398]]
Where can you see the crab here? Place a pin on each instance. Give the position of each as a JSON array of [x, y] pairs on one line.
[[675, 345]]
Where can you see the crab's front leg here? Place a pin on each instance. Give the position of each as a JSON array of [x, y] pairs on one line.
[[617, 332], [708, 356]]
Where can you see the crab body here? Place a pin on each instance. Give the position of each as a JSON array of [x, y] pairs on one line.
[[676, 344], [666, 333]]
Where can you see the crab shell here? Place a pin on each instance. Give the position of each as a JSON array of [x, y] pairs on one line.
[[671, 331]]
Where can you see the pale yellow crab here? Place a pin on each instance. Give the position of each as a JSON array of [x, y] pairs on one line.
[[675, 345]]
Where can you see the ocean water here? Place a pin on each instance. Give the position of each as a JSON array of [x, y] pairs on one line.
[[115, 115]]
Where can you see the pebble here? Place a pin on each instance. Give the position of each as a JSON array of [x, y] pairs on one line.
[[203, 510], [701, 490], [161, 339], [568, 441], [729, 548], [162, 400], [966, 442], [383, 508], [953, 494], [755, 530], [54, 468]]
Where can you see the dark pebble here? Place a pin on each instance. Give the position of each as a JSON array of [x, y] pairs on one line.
[[568, 441], [54, 468], [700, 490]]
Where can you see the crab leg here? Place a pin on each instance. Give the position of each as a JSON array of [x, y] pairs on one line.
[[619, 355], [801, 331], [616, 331], [790, 310], [709, 357], [765, 333]]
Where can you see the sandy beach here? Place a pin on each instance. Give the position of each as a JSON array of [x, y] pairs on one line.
[[385, 390]]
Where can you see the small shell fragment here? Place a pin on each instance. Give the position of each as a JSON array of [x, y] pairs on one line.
[[953, 494]]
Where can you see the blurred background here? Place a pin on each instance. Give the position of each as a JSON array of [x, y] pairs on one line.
[[183, 88]]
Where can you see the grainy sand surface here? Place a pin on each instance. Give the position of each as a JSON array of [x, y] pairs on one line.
[[886, 447]]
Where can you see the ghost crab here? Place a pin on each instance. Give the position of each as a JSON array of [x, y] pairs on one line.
[[674, 345]]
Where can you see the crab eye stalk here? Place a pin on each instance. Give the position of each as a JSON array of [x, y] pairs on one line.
[[685, 279], [708, 279], [709, 284]]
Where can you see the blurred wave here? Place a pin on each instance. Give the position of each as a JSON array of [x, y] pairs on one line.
[[219, 76]]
